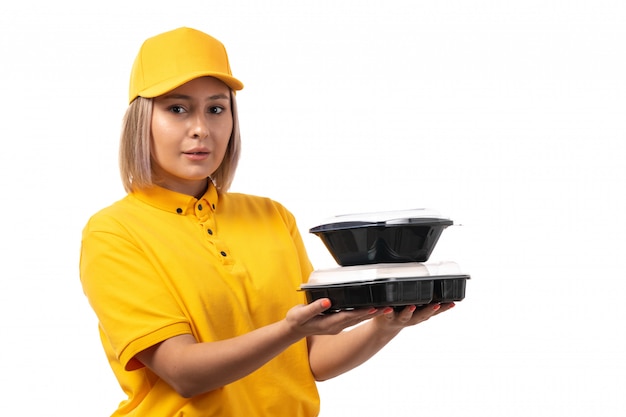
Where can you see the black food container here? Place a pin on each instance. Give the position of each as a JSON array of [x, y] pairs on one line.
[[384, 237], [382, 285]]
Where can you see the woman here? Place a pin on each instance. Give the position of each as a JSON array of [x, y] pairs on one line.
[[195, 288]]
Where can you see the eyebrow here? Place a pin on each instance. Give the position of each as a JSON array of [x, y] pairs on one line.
[[178, 96]]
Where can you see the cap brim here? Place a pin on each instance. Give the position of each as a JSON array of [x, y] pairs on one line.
[[172, 83]]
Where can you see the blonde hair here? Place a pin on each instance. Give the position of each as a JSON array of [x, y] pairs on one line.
[[136, 145]]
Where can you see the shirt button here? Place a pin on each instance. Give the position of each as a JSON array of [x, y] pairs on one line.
[[213, 206], [179, 210], [223, 253], [209, 231], [199, 206]]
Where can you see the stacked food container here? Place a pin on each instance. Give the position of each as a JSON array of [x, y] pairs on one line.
[[383, 261]]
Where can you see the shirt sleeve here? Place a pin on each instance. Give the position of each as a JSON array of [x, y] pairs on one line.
[[135, 310], [290, 222]]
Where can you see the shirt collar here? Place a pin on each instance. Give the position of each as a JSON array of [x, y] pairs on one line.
[[175, 202]]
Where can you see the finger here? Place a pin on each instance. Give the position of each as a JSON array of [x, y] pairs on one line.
[[444, 307], [389, 313], [350, 318], [431, 310], [305, 312], [319, 306], [426, 312], [402, 314], [406, 313]]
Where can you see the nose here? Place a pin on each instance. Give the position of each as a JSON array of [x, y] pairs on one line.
[[199, 128]]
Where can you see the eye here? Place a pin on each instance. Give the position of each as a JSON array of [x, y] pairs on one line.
[[176, 109], [216, 109]]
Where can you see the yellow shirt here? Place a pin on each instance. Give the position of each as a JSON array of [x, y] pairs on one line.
[[157, 264]]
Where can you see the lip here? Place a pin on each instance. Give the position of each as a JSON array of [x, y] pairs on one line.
[[197, 154]]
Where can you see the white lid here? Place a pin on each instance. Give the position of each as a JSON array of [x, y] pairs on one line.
[[388, 217], [378, 272]]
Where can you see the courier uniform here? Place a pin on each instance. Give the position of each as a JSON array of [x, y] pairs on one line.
[[157, 264]]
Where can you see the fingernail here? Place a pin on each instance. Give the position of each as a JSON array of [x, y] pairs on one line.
[[451, 305], [436, 307], [412, 308], [372, 310], [387, 310], [325, 303]]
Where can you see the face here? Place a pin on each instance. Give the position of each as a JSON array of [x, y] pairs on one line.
[[191, 127]]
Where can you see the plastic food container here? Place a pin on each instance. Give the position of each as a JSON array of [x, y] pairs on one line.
[[382, 285], [383, 237]]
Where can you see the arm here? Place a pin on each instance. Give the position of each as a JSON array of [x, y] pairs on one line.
[[330, 356], [192, 368]]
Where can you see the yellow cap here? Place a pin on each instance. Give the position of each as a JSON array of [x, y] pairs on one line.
[[169, 60]]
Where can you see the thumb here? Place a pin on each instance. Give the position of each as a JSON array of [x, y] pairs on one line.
[[319, 306]]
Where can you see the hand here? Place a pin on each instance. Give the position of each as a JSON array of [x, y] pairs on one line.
[[391, 319], [308, 320]]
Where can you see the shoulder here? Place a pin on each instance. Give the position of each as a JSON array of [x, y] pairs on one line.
[[246, 204], [112, 216], [252, 201]]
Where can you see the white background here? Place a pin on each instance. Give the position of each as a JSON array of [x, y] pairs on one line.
[[506, 116]]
